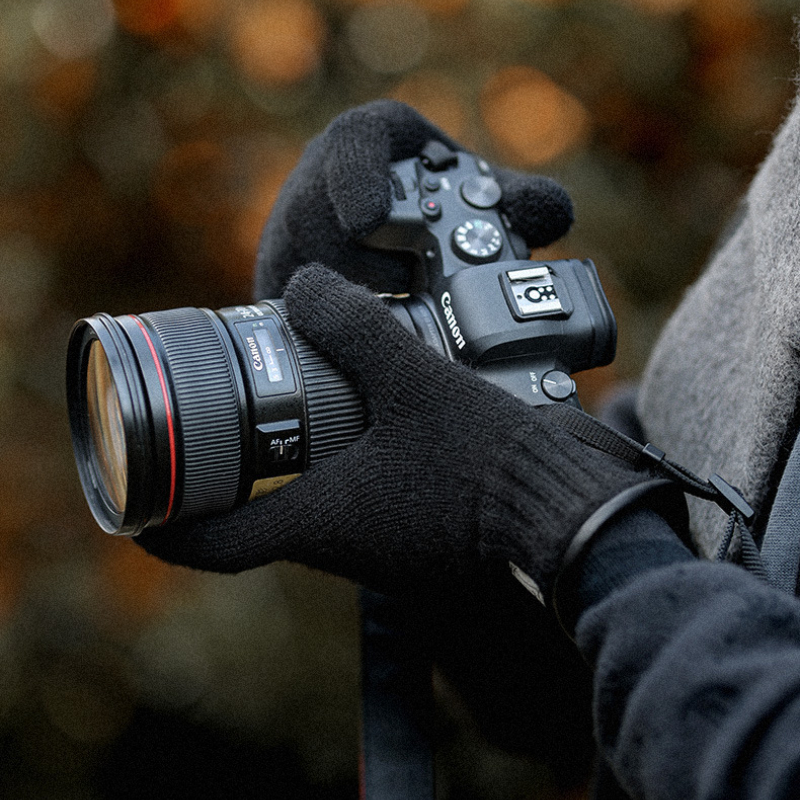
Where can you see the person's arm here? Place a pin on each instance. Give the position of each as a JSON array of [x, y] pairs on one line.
[[697, 668]]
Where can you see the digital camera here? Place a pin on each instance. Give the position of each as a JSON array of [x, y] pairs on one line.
[[190, 412]]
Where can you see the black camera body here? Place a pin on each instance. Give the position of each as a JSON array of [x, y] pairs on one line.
[[190, 412], [525, 325]]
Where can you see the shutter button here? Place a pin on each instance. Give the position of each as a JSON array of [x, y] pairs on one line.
[[481, 191]]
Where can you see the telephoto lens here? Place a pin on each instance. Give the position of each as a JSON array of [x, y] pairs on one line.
[[191, 412]]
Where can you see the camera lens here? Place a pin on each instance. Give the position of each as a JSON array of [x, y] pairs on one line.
[[107, 443], [191, 412]]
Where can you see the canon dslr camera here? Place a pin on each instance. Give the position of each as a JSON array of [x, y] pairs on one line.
[[190, 412]]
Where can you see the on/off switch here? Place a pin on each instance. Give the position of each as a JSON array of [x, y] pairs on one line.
[[557, 385]]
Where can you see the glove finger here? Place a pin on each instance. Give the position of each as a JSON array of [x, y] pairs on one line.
[[408, 130], [538, 208], [331, 518], [356, 330], [361, 144], [298, 522]]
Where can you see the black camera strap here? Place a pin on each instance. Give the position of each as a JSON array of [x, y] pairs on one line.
[[602, 437], [397, 704]]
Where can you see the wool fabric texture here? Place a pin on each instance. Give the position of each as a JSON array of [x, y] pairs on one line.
[[452, 475], [697, 683], [340, 192], [720, 392]]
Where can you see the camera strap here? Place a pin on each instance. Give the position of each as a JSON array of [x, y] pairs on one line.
[[602, 437], [780, 549], [397, 704]]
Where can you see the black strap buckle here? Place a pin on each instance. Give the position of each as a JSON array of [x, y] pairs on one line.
[[729, 498]]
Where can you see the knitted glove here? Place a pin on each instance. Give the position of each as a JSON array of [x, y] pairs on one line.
[[340, 192], [452, 475]]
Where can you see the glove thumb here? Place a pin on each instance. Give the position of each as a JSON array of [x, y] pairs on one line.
[[538, 208]]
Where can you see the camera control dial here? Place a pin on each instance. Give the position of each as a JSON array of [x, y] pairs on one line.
[[481, 191], [477, 241]]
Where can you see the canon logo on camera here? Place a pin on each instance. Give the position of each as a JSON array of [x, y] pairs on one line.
[[452, 322]]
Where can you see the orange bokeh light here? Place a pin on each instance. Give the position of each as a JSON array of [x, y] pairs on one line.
[[732, 21], [147, 17], [191, 182], [662, 6], [436, 7], [262, 194], [531, 119], [137, 584], [202, 17], [277, 43], [65, 90], [436, 97]]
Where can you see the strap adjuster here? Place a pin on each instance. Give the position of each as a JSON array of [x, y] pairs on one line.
[[729, 498], [653, 453]]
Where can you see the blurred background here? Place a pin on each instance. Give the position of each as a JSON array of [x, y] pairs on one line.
[[142, 145]]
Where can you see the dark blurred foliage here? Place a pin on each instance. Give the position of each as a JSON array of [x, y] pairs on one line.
[[143, 142]]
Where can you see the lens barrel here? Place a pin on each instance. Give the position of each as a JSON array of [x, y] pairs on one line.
[[191, 412]]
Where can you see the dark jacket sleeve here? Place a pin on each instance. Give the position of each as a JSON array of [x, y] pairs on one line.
[[697, 678]]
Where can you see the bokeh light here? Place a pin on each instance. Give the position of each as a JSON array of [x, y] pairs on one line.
[[191, 182], [389, 37], [147, 17], [75, 30], [279, 42], [437, 97], [531, 119], [64, 91]]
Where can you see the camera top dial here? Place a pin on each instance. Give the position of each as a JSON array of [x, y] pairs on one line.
[[477, 241], [526, 325]]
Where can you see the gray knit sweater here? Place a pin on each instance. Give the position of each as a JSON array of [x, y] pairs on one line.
[[720, 392]]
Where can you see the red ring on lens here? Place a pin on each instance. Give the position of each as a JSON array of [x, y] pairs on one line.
[[173, 469]]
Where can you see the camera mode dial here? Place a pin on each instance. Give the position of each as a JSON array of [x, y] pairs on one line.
[[477, 241]]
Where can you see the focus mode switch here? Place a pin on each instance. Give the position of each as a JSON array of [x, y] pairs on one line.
[[279, 442]]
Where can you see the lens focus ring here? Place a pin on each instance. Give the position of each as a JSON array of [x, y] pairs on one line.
[[336, 415], [208, 408]]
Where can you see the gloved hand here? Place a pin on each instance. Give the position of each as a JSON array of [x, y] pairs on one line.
[[452, 477], [340, 192]]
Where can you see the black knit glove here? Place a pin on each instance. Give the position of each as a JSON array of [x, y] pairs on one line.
[[340, 192], [452, 476]]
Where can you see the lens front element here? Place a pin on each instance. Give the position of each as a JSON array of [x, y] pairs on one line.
[[107, 444]]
